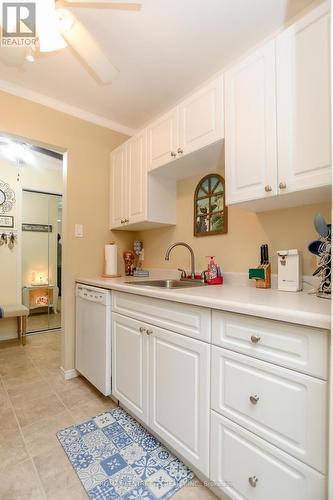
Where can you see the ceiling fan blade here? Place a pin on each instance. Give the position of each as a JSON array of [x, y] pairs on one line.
[[47, 28], [85, 45], [127, 2]]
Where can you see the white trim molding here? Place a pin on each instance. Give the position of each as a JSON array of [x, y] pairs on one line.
[[30, 95], [69, 374]]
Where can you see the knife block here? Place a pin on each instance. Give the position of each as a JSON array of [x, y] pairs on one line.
[[266, 282]]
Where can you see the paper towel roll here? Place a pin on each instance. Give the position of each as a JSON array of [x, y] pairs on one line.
[[111, 259]]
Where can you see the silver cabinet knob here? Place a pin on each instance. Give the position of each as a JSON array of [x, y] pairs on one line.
[[126, 220], [173, 154], [149, 332], [142, 329], [255, 339], [268, 188], [180, 151], [253, 481], [254, 399], [282, 185], [122, 221]]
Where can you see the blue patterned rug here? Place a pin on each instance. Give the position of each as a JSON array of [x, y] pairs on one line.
[[115, 457]]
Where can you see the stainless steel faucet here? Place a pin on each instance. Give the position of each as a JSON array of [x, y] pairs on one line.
[[181, 243]]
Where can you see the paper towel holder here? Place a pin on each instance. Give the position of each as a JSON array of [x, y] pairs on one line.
[[105, 275]]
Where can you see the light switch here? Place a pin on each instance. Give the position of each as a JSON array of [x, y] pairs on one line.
[[79, 230]]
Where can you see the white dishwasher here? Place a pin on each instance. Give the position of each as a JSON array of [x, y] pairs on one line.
[[93, 336]]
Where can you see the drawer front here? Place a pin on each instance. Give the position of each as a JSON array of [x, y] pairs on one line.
[[246, 467], [188, 320], [300, 348], [285, 407]]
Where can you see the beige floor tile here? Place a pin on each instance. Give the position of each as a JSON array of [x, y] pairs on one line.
[[194, 490], [56, 473], [73, 493], [88, 409], [22, 377], [76, 395], [8, 421], [59, 384], [20, 482], [41, 436], [33, 410], [11, 366], [12, 448], [28, 392]]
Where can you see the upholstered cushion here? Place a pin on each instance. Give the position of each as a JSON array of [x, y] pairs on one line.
[[13, 310]]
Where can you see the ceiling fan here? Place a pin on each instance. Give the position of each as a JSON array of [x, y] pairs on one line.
[[57, 27]]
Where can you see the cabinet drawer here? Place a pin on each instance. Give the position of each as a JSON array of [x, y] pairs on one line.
[[188, 320], [285, 407], [297, 347], [238, 458]]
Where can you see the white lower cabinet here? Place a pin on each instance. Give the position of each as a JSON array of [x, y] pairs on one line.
[[130, 365], [246, 467], [179, 394], [285, 407], [163, 378]]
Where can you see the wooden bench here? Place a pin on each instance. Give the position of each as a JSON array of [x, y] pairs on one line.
[[20, 312]]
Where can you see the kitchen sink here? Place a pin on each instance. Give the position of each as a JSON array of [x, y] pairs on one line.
[[167, 283]]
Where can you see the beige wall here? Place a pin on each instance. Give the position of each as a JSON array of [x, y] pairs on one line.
[[237, 250], [86, 197]]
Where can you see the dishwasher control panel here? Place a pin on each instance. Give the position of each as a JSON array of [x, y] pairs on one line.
[[93, 294]]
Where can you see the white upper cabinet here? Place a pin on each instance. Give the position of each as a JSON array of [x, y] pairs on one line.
[[201, 118], [163, 140], [192, 125], [277, 118], [250, 127], [136, 201], [118, 191], [136, 182], [303, 103]]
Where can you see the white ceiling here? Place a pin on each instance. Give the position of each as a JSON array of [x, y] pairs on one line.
[[162, 52]]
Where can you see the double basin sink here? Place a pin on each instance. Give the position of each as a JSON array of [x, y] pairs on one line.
[[167, 283]]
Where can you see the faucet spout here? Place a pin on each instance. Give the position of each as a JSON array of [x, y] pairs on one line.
[[181, 243]]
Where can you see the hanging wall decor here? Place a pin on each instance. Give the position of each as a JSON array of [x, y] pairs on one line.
[[210, 212], [7, 197]]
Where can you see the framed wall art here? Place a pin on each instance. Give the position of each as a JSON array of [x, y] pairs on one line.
[[6, 221], [210, 212]]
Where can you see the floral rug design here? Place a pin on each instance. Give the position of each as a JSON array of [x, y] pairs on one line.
[[116, 458]]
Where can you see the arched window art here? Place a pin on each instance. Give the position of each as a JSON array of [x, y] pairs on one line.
[[210, 212]]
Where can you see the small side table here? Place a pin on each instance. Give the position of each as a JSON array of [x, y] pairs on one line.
[[34, 297]]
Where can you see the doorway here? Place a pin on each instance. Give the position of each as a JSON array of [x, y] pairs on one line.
[[42, 259]]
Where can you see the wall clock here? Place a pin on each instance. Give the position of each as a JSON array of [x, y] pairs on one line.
[[7, 197]]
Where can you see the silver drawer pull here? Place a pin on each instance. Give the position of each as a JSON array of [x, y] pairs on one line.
[[253, 481], [149, 332], [255, 339], [254, 399], [142, 329]]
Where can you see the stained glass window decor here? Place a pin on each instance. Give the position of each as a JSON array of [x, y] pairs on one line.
[[210, 212]]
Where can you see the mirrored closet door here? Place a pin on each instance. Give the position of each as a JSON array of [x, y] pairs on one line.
[[41, 259]]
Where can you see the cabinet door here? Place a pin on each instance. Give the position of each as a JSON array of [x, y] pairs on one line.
[[118, 192], [245, 467], [179, 394], [136, 182], [250, 127], [201, 117], [163, 140], [130, 365], [303, 103]]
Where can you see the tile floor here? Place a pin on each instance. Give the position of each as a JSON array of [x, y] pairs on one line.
[[36, 402]]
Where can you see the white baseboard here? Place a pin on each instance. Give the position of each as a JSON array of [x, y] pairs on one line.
[[69, 374]]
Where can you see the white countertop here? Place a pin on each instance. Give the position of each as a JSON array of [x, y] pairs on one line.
[[293, 307]]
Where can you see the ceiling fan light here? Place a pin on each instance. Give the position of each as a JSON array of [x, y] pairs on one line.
[[49, 37], [65, 20]]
